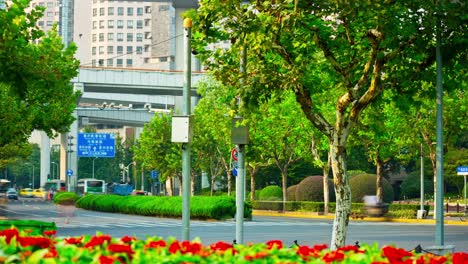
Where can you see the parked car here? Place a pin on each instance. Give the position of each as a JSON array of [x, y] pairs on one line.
[[26, 192], [39, 193], [12, 194]]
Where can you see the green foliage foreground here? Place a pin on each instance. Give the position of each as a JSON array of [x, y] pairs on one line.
[[201, 207], [19, 247]]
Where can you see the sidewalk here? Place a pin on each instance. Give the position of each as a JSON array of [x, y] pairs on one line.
[[447, 220]]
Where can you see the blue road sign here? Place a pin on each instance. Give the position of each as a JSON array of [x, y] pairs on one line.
[[462, 170], [154, 174], [234, 171], [69, 172], [100, 145]]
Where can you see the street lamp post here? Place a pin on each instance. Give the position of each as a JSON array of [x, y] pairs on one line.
[[126, 169]]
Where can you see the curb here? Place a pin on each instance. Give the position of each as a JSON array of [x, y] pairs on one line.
[[365, 219]]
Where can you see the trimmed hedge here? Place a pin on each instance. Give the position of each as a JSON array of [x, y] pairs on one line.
[[291, 192], [399, 210], [201, 207], [365, 184], [311, 189], [35, 227], [66, 198], [271, 193]]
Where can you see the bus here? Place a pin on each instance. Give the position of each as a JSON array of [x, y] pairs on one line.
[[4, 186], [55, 185], [85, 186]]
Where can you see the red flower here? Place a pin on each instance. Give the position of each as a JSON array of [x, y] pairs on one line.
[[193, 248], [49, 232], [73, 240], [353, 248], [9, 234], [460, 258], [306, 251], [272, 243], [127, 239], [156, 244], [333, 256], [52, 253], [41, 242], [438, 260], [119, 248], [98, 240], [108, 259], [259, 255], [320, 247], [174, 247], [221, 246], [395, 254]]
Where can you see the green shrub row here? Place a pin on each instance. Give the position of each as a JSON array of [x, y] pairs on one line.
[[66, 198], [34, 227], [303, 206], [201, 207]]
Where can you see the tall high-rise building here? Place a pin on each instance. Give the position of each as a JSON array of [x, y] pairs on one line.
[[110, 33]]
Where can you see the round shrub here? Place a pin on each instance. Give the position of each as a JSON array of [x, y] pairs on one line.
[[364, 184], [271, 193], [66, 198], [410, 187], [352, 173], [311, 189], [291, 192]]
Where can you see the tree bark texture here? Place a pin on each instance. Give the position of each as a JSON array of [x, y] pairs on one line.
[[378, 183]]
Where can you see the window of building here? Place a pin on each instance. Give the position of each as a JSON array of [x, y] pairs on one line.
[[139, 37], [94, 11], [163, 59], [110, 23], [146, 60], [129, 37], [50, 14], [110, 36], [130, 11], [139, 24], [102, 11], [139, 11], [101, 49], [101, 37], [110, 62], [129, 49], [120, 11], [129, 62], [147, 22], [139, 50], [101, 62], [101, 23], [129, 23], [110, 11], [94, 37], [93, 62], [110, 49], [50, 4], [120, 36], [119, 23], [147, 47], [148, 9], [163, 8], [119, 49], [50, 23], [40, 23], [93, 50], [147, 35], [94, 24], [119, 62]]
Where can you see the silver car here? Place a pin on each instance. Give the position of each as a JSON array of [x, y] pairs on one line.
[[12, 194]]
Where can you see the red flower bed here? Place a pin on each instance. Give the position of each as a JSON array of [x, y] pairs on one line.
[[104, 249]]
